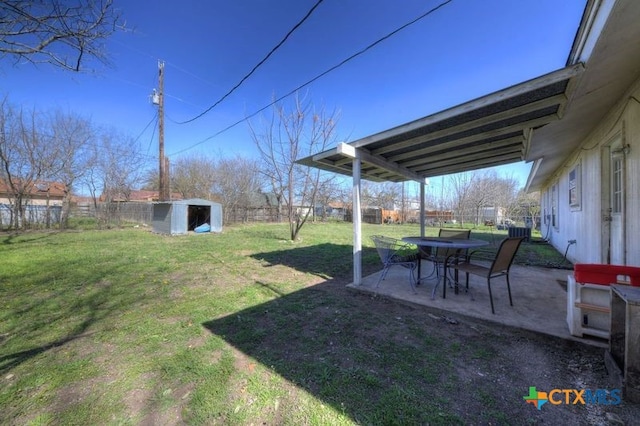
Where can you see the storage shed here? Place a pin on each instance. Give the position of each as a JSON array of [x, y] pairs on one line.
[[180, 217]]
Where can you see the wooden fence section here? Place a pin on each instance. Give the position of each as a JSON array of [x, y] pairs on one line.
[[141, 212], [381, 216], [251, 214], [126, 211]]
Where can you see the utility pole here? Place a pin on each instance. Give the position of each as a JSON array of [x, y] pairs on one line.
[[158, 98], [163, 181]]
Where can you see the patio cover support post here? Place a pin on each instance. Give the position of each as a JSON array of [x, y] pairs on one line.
[[357, 222], [422, 218]]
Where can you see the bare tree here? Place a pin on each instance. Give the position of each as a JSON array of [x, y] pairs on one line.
[[368, 194], [25, 157], [527, 207], [328, 192], [476, 191], [59, 32], [13, 163], [72, 135], [483, 193], [119, 169], [507, 195], [231, 181], [344, 197], [237, 181], [389, 194], [462, 184], [38, 150], [443, 199], [120, 163], [193, 177], [287, 136], [151, 180]]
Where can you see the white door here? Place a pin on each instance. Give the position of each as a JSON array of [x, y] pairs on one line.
[[616, 206]]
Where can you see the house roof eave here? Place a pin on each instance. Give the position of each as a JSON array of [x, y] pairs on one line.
[[613, 64]]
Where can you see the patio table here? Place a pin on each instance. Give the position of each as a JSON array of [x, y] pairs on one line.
[[459, 244]]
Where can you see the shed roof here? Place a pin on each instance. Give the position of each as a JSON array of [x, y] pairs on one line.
[[489, 131]]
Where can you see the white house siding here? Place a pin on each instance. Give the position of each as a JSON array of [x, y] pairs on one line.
[[586, 224], [632, 132]]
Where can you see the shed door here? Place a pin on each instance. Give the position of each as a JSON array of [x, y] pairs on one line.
[[616, 205]]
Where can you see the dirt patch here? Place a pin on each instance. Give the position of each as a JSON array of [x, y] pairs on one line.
[[494, 366], [139, 399], [172, 415]]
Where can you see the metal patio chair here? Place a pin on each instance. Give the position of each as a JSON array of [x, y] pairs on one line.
[[439, 256], [394, 252], [500, 266]]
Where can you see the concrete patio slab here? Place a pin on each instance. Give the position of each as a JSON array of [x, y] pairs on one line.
[[539, 298]]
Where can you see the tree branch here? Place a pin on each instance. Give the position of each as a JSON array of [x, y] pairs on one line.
[[59, 32]]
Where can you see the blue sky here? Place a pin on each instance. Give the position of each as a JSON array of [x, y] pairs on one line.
[[466, 49]]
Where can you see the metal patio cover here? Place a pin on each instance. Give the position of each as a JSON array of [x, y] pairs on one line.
[[489, 131]]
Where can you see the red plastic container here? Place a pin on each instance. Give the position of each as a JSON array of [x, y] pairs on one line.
[[591, 273]]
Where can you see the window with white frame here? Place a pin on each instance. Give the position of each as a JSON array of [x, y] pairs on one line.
[[616, 190], [575, 195]]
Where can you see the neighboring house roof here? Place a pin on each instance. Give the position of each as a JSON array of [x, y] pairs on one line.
[[40, 188], [608, 43]]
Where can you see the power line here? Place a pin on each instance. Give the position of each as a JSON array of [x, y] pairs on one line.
[[153, 133], [355, 55], [146, 127], [271, 52], [148, 55], [193, 75]]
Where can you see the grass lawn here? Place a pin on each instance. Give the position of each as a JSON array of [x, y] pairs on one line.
[[244, 327]]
